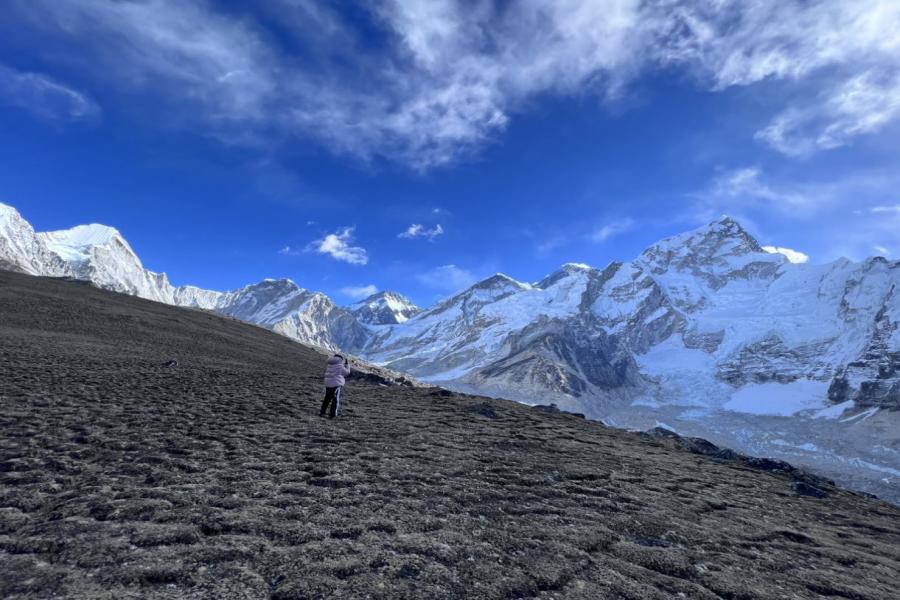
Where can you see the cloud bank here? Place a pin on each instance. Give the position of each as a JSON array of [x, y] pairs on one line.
[[442, 78]]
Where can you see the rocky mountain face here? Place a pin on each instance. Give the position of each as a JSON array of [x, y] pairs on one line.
[[282, 306], [704, 332]]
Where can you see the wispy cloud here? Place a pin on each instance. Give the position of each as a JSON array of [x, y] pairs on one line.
[[793, 256], [849, 210], [182, 50], [45, 97], [360, 292], [339, 246], [861, 105], [420, 231], [447, 76], [289, 251], [747, 189], [447, 277], [611, 230]]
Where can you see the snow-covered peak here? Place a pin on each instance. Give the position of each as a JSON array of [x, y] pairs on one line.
[[567, 270], [9, 217], [716, 249], [721, 237], [75, 244], [7, 212], [574, 266], [86, 235], [499, 281], [21, 249], [385, 308], [11, 222], [270, 287]]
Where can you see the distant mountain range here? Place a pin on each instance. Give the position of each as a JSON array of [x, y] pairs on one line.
[[705, 333]]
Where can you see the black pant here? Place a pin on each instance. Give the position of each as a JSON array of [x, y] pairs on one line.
[[332, 398]]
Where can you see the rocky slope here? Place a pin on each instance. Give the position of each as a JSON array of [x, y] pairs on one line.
[[704, 332], [121, 478]]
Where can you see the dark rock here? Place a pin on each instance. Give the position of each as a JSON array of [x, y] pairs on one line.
[[701, 446], [384, 377], [728, 454], [770, 464], [485, 409], [552, 409], [169, 364], [408, 571], [805, 489]]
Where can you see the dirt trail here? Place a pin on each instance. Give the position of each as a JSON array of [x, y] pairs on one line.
[[216, 479]]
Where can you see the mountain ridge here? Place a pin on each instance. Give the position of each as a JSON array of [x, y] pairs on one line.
[[705, 331]]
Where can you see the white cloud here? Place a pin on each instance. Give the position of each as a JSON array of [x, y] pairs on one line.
[[447, 277], [420, 231], [886, 209], [861, 105], [882, 250], [289, 251], [612, 229], [450, 74], [360, 292], [44, 97], [182, 49], [338, 246], [792, 255], [746, 188]]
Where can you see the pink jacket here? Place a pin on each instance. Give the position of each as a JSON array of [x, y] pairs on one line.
[[335, 372]]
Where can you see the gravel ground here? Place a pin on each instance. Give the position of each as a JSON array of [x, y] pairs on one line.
[[120, 478]]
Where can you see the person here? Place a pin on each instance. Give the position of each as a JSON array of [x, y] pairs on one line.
[[335, 372]]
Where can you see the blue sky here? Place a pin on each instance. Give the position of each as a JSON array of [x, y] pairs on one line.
[[420, 145]]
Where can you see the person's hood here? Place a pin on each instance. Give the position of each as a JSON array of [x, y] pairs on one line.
[[334, 360]]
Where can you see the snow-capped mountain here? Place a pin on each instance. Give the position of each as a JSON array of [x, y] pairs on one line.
[[101, 255], [384, 308], [705, 332], [284, 307], [21, 249], [705, 313]]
